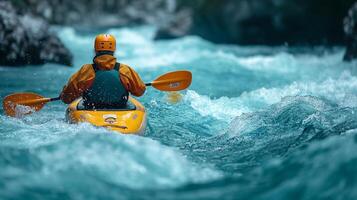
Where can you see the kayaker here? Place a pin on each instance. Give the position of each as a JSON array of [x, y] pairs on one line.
[[105, 83]]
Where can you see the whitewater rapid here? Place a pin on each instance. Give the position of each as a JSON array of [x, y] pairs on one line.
[[256, 123]]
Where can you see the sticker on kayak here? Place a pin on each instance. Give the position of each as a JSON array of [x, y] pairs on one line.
[[110, 118], [174, 85], [135, 116]]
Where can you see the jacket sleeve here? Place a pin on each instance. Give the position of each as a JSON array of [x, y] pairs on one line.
[[131, 81], [77, 84]]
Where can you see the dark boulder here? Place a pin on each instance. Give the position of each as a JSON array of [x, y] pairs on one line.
[[350, 27], [269, 22], [26, 39]]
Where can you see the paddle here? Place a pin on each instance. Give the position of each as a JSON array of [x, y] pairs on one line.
[[26, 103], [172, 81]]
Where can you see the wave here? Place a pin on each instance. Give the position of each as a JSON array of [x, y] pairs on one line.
[[300, 145], [318, 171], [58, 153], [342, 91]]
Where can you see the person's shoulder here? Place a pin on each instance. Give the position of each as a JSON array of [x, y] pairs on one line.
[[86, 67], [123, 65], [124, 68]]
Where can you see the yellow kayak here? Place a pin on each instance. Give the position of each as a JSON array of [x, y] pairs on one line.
[[129, 120]]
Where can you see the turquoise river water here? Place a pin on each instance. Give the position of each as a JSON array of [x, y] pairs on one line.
[[256, 123]]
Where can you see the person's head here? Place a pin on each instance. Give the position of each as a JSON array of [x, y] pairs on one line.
[[105, 44]]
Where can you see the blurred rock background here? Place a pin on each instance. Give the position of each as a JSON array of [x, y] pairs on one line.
[[350, 28], [25, 39], [243, 22]]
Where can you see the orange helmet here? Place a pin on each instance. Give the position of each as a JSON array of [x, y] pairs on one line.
[[104, 42]]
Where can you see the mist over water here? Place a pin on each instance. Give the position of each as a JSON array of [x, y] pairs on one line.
[[256, 123]]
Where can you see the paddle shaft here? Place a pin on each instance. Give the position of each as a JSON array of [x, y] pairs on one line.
[[164, 81], [170, 81], [45, 100], [36, 101], [55, 99]]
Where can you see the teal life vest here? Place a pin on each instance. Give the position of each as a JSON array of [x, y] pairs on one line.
[[107, 89]]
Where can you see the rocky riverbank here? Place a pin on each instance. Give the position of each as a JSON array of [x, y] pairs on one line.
[[243, 22], [101, 13]]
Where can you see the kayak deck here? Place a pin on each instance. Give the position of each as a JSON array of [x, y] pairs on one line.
[[126, 121]]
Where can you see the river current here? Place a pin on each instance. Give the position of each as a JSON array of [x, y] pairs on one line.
[[257, 123]]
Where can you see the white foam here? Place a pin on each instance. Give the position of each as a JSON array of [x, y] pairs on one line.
[[70, 37], [281, 63], [342, 91], [223, 108], [154, 59], [21, 110], [68, 150], [135, 162], [126, 36], [123, 36]]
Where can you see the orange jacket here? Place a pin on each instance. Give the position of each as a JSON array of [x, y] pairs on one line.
[[83, 79]]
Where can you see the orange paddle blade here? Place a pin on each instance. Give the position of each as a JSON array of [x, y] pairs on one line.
[[173, 81], [19, 104]]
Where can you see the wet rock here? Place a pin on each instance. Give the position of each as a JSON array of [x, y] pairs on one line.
[[350, 28], [101, 13], [270, 22], [26, 39], [178, 26]]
